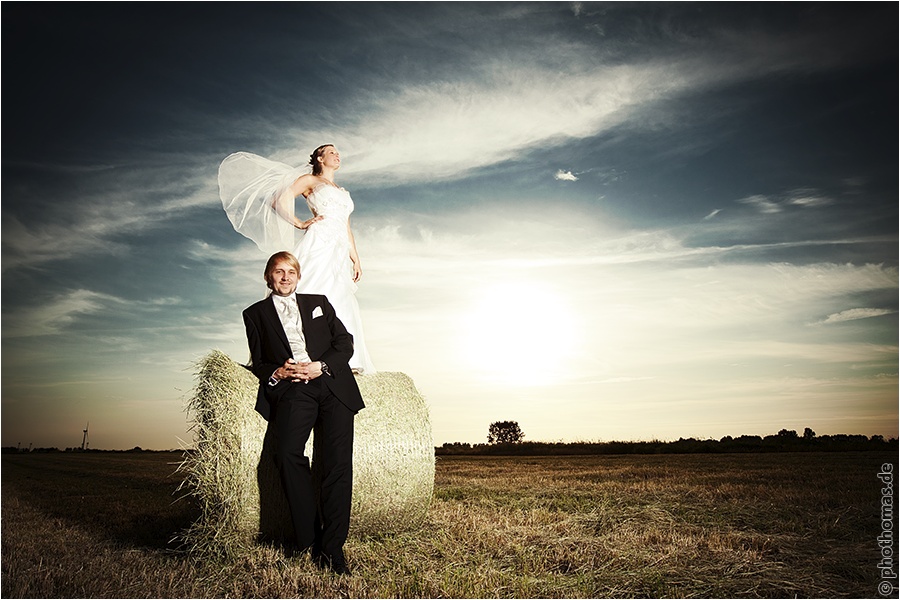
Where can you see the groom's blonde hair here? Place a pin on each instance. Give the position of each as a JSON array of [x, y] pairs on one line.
[[277, 258]]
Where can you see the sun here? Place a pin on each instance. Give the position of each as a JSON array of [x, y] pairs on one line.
[[519, 333]]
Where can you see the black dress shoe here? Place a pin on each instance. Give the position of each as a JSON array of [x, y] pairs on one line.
[[336, 563], [339, 567]]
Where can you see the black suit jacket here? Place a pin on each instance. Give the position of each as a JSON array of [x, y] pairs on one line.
[[327, 340]]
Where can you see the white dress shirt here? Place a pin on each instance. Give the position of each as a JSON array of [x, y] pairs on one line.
[[289, 313]]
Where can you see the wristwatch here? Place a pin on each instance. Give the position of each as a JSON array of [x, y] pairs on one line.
[[325, 369]]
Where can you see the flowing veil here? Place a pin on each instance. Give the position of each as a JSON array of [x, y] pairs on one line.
[[248, 186]]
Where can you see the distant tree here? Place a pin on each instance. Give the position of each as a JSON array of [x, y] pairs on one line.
[[751, 439], [454, 448], [504, 432], [788, 433], [466, 445], [808, 434]]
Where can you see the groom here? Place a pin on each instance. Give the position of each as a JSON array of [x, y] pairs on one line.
[[299, 351]]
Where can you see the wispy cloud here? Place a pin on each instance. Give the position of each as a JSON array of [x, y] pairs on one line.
[[55, 316], [108, 211], [565, 176], [761, 203], [807, 198], [855, 314], [60, 313], [495, 110], [804, 198], [495, 115], [37, 243]]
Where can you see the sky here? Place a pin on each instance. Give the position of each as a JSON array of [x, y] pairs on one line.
[[613, 221]]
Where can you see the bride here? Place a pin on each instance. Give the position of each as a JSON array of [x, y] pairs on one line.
[[258, 195]]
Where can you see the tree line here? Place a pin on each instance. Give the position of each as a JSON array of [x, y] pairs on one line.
[[45, 450], [506, 438]]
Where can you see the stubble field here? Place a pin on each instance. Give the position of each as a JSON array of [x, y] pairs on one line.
[[739, 525]]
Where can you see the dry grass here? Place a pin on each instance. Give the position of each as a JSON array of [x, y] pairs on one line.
[[778, 525]]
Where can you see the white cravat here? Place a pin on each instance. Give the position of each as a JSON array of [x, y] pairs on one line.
[[289, 313]]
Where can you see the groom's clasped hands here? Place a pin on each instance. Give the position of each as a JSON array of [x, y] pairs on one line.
[[297, 372]]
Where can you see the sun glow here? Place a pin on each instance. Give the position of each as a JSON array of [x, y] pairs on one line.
[[520, 333]]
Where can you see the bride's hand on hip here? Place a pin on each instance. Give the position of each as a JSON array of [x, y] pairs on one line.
[[308, 222]]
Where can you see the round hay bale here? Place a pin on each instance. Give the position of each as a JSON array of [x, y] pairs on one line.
[[219, 470], [232, 471], [393, 456]]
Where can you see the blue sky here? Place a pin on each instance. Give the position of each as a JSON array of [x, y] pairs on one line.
[[603, 221]]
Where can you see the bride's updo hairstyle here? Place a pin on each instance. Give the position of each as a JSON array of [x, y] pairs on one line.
[[314, 159]]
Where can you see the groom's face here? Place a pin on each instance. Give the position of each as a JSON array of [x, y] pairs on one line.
[[283, 278]]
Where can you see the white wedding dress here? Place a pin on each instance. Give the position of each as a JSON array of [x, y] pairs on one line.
[[248, 185], [326, 268]]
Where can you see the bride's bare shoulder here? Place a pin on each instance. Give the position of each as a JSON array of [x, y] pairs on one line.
[[304, 184]]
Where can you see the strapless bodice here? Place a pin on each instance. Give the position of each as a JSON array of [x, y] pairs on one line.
[[335, 205], [329, 200]]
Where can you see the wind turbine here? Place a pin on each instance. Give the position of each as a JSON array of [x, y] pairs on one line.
[[84, 440]]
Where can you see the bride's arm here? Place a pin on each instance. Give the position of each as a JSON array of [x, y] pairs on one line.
[[284, 204], [354, 255]]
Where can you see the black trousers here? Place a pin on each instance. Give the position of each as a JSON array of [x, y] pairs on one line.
[[320, 504]]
